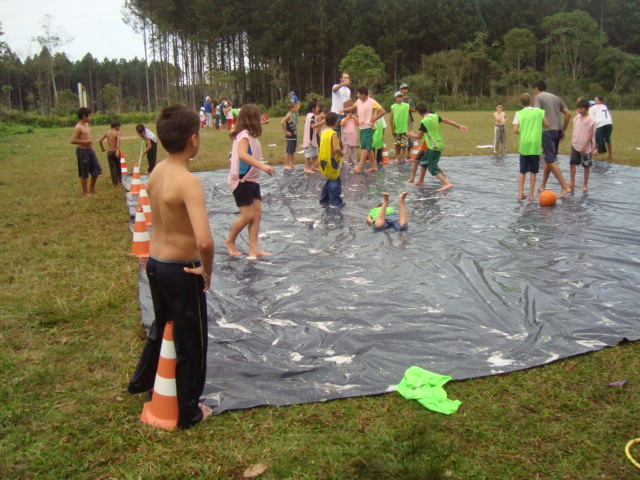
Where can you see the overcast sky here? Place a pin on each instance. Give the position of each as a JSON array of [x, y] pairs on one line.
[[92, 26]]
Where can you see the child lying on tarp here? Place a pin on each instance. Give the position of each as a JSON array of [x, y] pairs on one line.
[[383, 217]]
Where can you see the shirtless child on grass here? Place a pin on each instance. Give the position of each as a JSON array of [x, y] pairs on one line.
[[180, 265], [88, 164]]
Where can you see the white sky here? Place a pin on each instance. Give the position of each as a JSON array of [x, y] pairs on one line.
[[94, 26]]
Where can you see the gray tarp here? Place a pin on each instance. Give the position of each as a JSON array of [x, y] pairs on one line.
[[481, 284]]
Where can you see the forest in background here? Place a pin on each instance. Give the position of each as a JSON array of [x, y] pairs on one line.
[[453, 52]]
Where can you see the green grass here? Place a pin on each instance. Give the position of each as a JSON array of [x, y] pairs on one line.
[[70, 336]]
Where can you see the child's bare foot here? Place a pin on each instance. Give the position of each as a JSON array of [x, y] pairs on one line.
[[232, 249], [564, 191], [411, 180], [308, 170], [542, 188], [585, 188], [371, 170], [288, 168], [419, 183], [531, 198], [403, 195], [521, 196], [445, 187], [357, 170], [385, 197], [206, 411], [258, 254]]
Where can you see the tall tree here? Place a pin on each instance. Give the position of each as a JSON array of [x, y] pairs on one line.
[[575, 40], [51, 39]]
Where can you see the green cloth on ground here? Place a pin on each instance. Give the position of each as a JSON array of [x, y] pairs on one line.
[[426, 387]]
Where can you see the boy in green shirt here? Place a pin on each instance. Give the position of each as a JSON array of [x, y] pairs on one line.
[[400, 126], [430, 130], [528, 124], [382, 217]]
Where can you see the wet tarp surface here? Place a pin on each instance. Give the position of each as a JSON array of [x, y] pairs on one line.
[[480, 284]]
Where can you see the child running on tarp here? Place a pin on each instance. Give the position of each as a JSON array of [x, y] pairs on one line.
[[330, 161], [349, 128], [244, 177], [430, 130], [383, 217]]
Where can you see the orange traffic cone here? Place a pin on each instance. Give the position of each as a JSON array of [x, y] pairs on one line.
[[414, 151], [385, 154], [141, 238], [162, 410], [135, 181], [143, 201], [123, 164]]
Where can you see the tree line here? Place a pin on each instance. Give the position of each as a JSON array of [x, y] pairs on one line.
[[258, 50]]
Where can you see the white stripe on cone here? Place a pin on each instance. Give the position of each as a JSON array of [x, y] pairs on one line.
[[168, 350], [165, 386]]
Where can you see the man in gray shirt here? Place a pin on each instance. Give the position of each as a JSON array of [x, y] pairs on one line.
[[558, 116]]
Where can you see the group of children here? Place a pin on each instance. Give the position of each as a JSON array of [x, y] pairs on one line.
[[181, 249], [88, 164]]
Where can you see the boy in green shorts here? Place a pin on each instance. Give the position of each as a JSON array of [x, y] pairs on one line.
[[528, 124], [369, 111], [430, 128]]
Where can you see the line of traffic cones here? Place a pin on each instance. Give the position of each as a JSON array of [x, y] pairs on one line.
[[414, 151], [136, 181], [162, 410], [385, 154], [141, 237], [123, 164], [143, 201]]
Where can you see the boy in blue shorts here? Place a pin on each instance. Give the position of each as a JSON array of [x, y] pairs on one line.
[[290, 126], [383, 217], [88, 164], [430, 130], [528, 124]]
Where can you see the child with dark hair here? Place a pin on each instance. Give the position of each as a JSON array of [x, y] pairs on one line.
[[151, 145], [244, 176], [310, 137], [180, 265], [290, 126], [88, 164], [113, 154], [582, 143], [330, 160], [430, 131], [369, 111]]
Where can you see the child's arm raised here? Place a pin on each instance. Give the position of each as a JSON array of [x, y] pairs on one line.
[[462, 128]]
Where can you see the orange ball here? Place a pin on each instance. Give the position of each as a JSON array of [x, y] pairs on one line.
[[548, 198]]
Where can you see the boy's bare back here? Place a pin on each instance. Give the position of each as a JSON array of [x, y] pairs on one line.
[[112, 139], [179, 212]]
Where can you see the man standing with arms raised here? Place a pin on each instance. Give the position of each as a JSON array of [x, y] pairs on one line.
[[340, 93], [558, 116]]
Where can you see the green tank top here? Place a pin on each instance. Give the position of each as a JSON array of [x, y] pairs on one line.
[[530, 130], [374, 212], [400, 117], [432, 136]]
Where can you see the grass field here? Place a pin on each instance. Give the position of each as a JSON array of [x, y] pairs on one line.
[[70, 336]]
